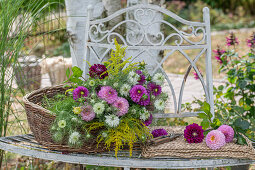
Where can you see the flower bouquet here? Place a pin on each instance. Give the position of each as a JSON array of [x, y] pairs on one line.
[[113, 105]]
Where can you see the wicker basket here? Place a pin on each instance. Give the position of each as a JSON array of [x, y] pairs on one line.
[[40, 121], [28, 74]]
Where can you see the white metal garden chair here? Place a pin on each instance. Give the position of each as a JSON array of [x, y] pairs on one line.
[[142, 41], [26, 145]]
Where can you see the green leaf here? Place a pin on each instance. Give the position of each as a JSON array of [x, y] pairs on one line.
[[202, 116], [242, 84], [206, 109], [67, 73], [221, 87], [205, 124], [242, 124], [77, 72]]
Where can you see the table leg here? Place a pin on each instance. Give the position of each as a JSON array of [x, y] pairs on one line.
[[126, 168]]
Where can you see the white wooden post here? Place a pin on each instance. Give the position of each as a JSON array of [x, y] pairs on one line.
[[76, 21]]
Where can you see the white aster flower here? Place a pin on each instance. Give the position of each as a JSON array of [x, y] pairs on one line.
[[74, 119], [159, 104], [74, 138], [58, 136], [104, 134], [112, 120], [92, 83], [158, 78], [99, 108], [62, 123], [115, 84], [144, 115], [92, 101], [104, 83], [93, 95], [133, 111], [133, 78], [124, 90]]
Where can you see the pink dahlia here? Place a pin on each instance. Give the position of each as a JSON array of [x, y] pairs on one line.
[[159, 132], [137, 92], [194, 133], [79, 92], [108, 94], [87, 113], [154, 89], [142, 80], [148, 121], [215, 139], [145, 99], [122, 105], [98, 71], [228, 131]]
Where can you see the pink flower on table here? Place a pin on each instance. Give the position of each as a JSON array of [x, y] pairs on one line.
[[215, 139], [87, 113], [108, 94], [137, 92], [122, 105], [228, 131], [232, 40], [194, 133], [79, 92]]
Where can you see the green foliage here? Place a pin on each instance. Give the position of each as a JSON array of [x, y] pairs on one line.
[[235, 100]]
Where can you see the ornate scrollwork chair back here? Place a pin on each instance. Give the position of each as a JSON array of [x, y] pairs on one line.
[[142, 41]]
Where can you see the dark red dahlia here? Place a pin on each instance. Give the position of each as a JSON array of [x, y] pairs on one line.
[[194, 133], [98, 71], [159, 132], [154, 89]]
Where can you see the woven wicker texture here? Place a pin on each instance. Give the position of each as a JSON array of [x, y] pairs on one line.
[[180, 148], [40, 121]]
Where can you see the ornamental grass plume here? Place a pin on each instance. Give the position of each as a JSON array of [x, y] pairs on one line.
[[159, 132], [122, 105], [232, 40], [79, 92], [108, 94], [98, 71], [194, 133], [87, 113], [215, 139], [228, 131]]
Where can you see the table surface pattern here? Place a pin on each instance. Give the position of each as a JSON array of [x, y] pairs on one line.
[[27, 146]]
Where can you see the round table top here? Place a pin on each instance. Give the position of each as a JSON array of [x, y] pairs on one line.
[[27, 146]]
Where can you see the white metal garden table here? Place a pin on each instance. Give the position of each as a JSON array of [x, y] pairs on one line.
[[27, 146]]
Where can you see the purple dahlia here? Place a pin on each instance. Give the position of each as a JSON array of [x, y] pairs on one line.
[[194, 133], [137, 92], [148, 121], [87, 113], [79, 92], [122, 105], [159, 132], [142, 80], [108, 94], [98, 71], [154, 89], [228, 131], [215, 139], [145, 99]]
